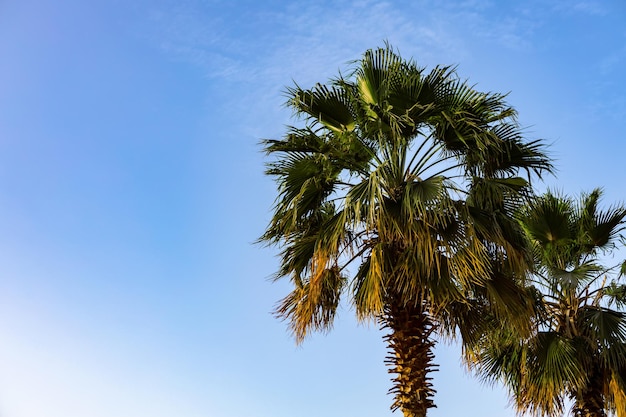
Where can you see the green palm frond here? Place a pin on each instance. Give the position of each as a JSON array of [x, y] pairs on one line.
[[510, 154], [548, 220], [616, 293], [327, 105], [604, 326], [551, 364], [577, 278], [610, 223], [377, 74], [598, 229]]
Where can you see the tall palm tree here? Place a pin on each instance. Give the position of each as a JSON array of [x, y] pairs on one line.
[[578, 349], [398, 191]]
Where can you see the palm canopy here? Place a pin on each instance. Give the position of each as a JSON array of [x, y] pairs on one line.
[[398, 191], [578, 348]]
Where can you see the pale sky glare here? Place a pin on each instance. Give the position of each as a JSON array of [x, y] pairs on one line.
[[132, 190]]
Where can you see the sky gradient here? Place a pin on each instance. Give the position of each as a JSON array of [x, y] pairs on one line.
[[132, 190]]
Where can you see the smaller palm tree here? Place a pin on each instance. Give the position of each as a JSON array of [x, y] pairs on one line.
[[578, 349]]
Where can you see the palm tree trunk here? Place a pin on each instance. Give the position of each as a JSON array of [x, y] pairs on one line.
[[589, 401], [411, 358]]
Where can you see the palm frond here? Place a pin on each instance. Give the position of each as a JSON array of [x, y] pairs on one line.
[[616, 395], [312, 306], [605, 327], [327, 105], [577, 278]]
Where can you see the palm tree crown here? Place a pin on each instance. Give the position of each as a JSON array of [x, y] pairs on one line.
[[398, 191], [578, 348]]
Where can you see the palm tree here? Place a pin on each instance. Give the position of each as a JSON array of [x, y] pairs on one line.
[[578, 349], [398, 191]]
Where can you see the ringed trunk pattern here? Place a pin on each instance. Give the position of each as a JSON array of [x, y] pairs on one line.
[[410, 358]]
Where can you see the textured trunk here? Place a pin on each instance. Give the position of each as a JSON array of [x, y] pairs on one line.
[[411, 358], [589, 402]]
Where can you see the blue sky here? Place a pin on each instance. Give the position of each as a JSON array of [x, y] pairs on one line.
[[131, 190]]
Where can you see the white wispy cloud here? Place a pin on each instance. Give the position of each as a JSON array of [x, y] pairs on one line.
[[586, 7], [303, 40], [264, 48]]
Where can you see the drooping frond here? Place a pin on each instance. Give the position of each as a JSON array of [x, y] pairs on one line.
[[313, 304]]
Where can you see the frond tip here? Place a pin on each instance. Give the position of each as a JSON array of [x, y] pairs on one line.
[[312, 305]]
